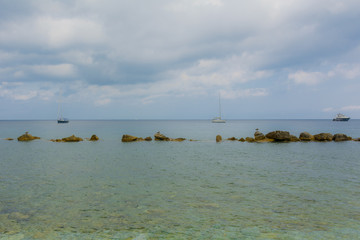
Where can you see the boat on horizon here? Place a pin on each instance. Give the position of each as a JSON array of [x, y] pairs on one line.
[[218, 119], [341, 118], [60, 118]]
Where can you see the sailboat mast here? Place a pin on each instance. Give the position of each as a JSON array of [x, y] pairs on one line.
[[219, 107]]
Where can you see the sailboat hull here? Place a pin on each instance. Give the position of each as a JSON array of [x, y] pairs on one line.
[[218, 121], [62, 121]]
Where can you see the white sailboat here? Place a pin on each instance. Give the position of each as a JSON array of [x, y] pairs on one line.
[[60, 118], [218, 119]]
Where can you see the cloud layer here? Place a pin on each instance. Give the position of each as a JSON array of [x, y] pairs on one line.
[[139, 55]]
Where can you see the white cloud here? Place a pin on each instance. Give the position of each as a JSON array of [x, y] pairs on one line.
[[307, 78], [351, 108], [59, 70], [243, 93]]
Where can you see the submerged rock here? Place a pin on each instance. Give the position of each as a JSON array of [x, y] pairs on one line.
[[27, 137], [218, 138], [323, 137], [279, 136], [72, 138], [232, 139], [339, 137], [9, 139], [178, 139], [94, 138], [161, 137], [305, 136]]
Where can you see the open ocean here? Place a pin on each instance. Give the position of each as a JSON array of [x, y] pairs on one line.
[[178, 190]]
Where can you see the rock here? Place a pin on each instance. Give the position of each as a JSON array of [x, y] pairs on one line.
[[218, 138], [56, 140], [279, 136], [242, 140], [305, 136], [232, 139], [129, 138], [357, 139], [323, 137], [249, 139], [9, 139], [259, 136], [178, 139], [294, 138], [160, 137], [339, 137], [148, 139], [72, 138], [94, 138], [27, 137]]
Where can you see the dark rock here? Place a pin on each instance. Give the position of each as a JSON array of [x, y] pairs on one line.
[[259, 136], [279, 136], [218, 138], [27, 137], [129, 138], [305, 136], [323, 137], [94, 138], [160, 137], [242, 140], [339, 137], [148, 139], [72, 138], [9, 139]]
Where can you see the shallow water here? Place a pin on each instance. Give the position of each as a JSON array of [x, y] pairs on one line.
[[171, 190]]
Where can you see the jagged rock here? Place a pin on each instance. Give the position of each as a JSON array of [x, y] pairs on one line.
[[27, 137], [339, 137], [259, 136], [305, 136], [242, 140], [161, 137], [218, 138], [94, 138], [148, 139], [72, 138], [323, 137], [232, 139], [249, 139], [279, 136], [129, 138]]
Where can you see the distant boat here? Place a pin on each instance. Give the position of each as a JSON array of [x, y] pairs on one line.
[[60, 118], [218, 119], [341, 118]]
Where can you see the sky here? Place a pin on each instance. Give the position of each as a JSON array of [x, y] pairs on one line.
[[163, 59]]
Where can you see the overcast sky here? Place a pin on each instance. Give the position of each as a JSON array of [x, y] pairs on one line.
[[163, 59]]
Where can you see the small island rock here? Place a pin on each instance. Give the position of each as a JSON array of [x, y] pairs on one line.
[[279, 136], [249, 139], [218, 138], [27, 137], [305, 136], [339, 137], [129, 138], [94, 138], [161, 137], [259, 136], [72, 138], [148, 139], [323, 137], [232, 139]]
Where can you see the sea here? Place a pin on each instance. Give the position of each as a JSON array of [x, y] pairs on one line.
[[195, 189]]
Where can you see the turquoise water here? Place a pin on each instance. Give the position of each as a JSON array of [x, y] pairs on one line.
[[178, 190]]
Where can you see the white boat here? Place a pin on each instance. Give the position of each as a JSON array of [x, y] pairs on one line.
[[218, 119], [341, 118]]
